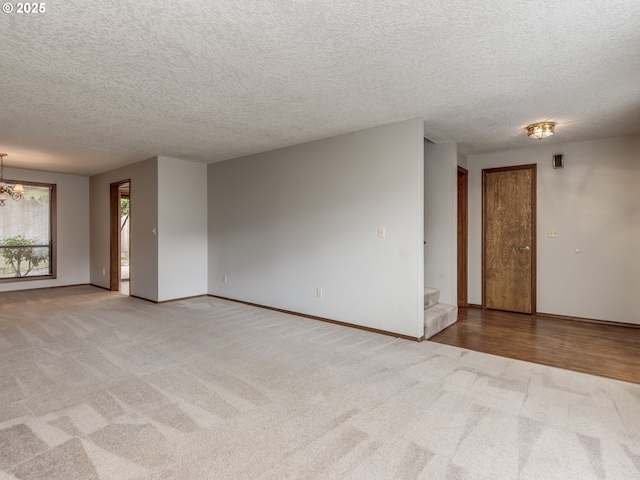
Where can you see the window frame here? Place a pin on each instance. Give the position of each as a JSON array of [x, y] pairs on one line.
[[53, 216]]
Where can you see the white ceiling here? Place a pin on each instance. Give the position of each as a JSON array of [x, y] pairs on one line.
[[89, 86]]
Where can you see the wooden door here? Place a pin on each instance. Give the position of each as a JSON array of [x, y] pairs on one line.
[[509, 242], [462, 235]]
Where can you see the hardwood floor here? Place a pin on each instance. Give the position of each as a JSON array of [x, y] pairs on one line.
[[607, 351]]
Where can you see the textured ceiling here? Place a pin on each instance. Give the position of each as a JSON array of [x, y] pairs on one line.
[[89, 86]]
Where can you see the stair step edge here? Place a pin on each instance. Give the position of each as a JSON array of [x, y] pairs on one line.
[[440, 308], [431, 297], [440, 317]]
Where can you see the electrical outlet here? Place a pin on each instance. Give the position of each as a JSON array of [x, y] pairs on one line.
[[381, 232], [224, 279], [553, 233], [104, 272], [319, 292]]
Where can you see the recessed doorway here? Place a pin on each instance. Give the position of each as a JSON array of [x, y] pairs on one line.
[[120, 262], [463, 235]]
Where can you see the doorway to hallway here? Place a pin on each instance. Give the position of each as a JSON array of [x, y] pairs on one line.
[[120, 262], [463, 235]]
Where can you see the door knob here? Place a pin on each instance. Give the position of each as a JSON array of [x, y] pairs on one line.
[[524, 249]]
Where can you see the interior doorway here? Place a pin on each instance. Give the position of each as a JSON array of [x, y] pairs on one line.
[[509, 238], [463, 235], [120, 261]]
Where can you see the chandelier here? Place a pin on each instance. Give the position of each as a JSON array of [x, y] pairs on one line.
[[16, 192]]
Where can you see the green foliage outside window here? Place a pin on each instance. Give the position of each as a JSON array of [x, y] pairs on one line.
[[22, 256]]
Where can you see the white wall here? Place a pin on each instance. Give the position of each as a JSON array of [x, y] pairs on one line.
[[182, 229], [440, 219], [463, 161], [72, 228], [286, 222], [594, 202], [143, 219]]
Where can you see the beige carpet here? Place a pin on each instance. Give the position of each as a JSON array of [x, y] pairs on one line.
[[97, 385]]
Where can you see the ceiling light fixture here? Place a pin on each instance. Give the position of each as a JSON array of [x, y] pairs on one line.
[[16, 192], [541, 130]]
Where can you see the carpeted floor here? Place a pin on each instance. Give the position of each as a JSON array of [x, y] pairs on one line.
[[97, 385]]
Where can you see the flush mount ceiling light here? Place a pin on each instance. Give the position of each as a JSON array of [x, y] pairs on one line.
[[15, 192], [541, 130]]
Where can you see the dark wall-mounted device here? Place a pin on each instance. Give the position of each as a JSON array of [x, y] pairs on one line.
[[557, 161]]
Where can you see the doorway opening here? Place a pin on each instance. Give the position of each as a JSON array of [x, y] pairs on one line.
[[463, 235], [120, 262]]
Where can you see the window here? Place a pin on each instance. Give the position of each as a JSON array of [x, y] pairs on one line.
[[27, 233]]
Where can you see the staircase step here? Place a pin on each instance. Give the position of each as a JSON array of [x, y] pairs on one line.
[[438, 317], [431, 297]]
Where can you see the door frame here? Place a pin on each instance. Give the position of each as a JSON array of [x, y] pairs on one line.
[[534, 169], [114, 242], [463, 236]]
